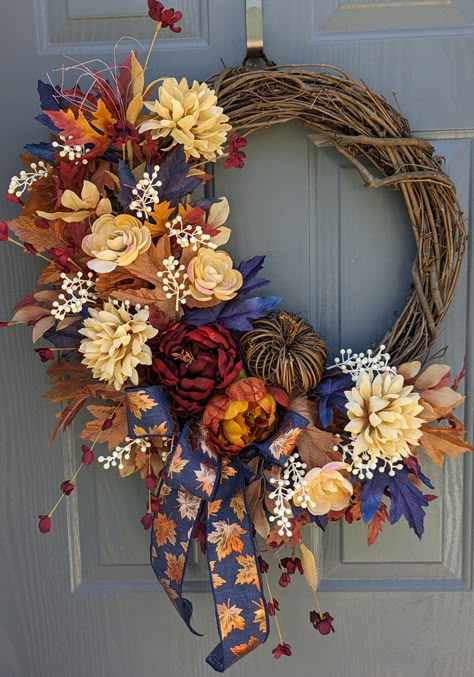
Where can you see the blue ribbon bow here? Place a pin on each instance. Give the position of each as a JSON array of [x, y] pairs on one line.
[[203, 485]]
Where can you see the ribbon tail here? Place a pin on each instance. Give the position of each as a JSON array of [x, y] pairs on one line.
[[236, 583], [171, 543]]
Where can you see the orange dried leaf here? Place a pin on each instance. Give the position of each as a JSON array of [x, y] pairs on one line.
[[26, 231], [375, 524], [114, 435], [440, 441], [158, 218]]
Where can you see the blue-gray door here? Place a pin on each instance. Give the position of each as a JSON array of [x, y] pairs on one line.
[[82, 601]]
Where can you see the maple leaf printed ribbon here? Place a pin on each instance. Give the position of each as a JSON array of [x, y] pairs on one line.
[[203, 485]]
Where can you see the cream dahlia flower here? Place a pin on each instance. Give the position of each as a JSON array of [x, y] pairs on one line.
[[115, 342], [115, 241], [383, 418], [190, 116], [326, 488], [212, 276]]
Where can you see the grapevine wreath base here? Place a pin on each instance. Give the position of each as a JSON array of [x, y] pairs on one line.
[[363, 125], [223, 404]]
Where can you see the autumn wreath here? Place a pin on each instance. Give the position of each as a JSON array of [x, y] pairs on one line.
[[224, 405]]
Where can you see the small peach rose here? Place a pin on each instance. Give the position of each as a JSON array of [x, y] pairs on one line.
[[115, 241], [212, 276], [327, 489]]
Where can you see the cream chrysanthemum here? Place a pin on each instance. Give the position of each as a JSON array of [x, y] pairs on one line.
[[383, 419], [115, 342], [190, 116]]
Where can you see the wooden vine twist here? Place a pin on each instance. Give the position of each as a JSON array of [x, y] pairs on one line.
[[362, 124]]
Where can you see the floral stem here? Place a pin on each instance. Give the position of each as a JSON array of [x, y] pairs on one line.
[[152, 44], [78, 470], [317, 603], [19, 244], [270, 596], [130, 154]]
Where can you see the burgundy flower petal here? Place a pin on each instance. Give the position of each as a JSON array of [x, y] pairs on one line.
[[322, 622], [280, 650], [193, 362], [3, 231], [87, 455], [150, 481], [67, 487], [284, 580], [44, 524], [45, 354], [147, 520]]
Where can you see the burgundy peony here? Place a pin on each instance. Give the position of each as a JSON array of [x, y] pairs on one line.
[[193, 362]]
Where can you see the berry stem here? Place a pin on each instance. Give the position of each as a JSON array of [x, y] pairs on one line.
[[152, 44], [270, 596]]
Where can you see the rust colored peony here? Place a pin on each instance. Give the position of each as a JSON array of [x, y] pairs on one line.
[[115, 241], [326, 489], [193, 362], [244, 414]]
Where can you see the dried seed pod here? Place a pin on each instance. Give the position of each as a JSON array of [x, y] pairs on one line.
[[284, 350]]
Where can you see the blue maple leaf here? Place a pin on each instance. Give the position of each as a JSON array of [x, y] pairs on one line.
[[330, 391], [406, 500]]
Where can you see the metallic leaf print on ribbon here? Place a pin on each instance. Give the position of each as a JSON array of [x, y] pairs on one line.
[[149, 412], [203, 485]]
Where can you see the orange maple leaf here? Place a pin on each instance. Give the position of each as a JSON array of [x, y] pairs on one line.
[[213, 507], [247, 573], [138, 401], [260, 617], [175, 567], [165, 529], [157, 219], [114, 435], [375, 524], [177, 463], [237, 504], [172, 594], [446, 440], [206, 477], [217, 580], [243, 649], [227, 538], [229, 618], [81, 131], [285, 442], [188, 504]]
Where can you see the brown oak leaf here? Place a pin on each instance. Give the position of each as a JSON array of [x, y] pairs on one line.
[[316, 447]]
